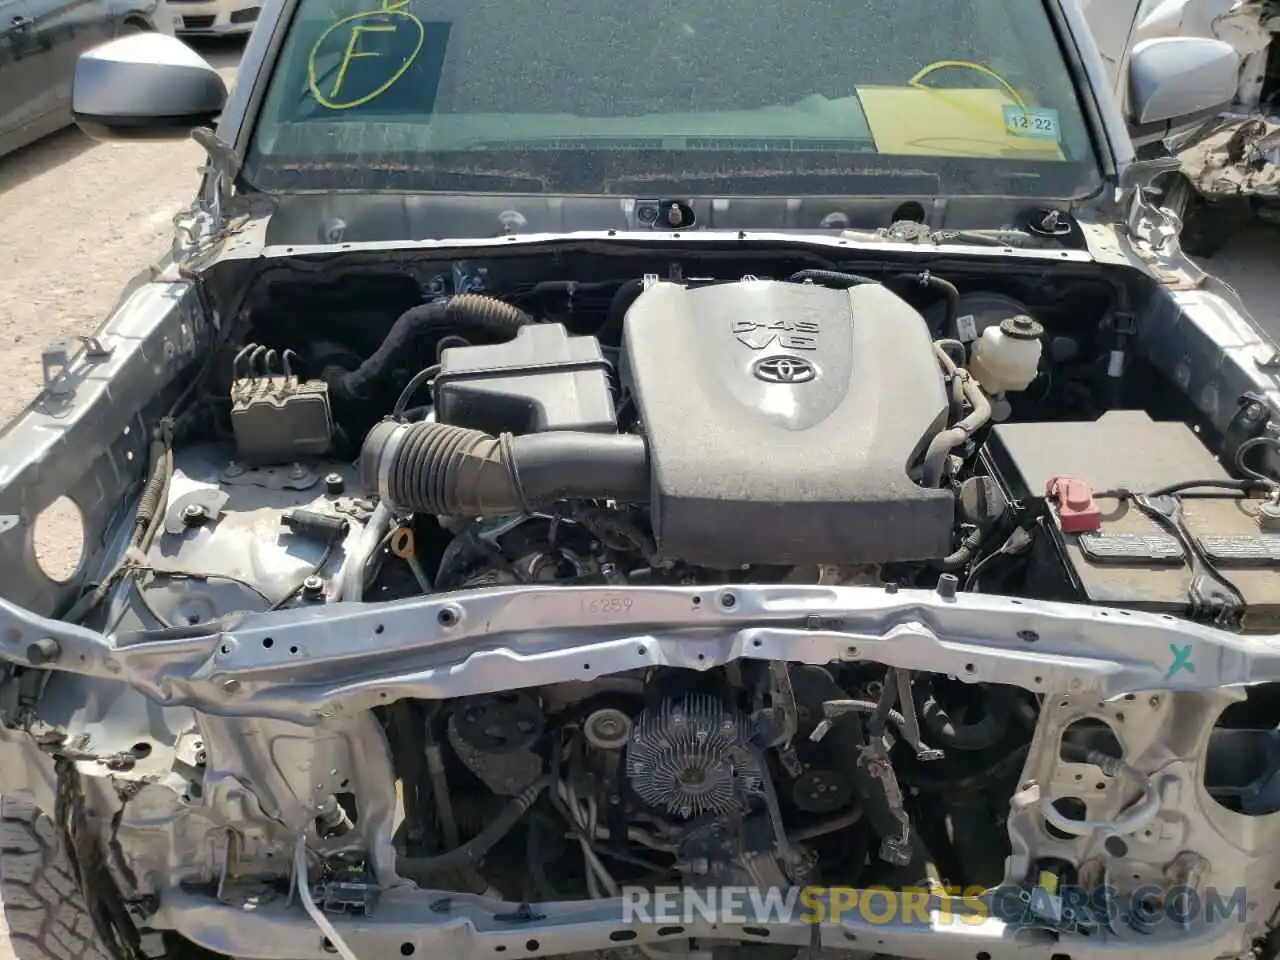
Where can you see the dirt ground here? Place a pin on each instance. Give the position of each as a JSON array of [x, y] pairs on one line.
[[80, 219]]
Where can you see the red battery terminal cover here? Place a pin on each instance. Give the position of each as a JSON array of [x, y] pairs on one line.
[[1078, 512]]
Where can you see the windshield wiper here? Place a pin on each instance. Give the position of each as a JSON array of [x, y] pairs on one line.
[[909, 231]]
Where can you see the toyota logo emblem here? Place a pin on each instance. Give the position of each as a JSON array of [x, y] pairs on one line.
[[784, 370]]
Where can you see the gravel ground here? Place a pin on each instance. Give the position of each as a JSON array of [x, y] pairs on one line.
[[106, 210]]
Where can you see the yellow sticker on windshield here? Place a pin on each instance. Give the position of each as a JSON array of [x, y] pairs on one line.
[[352, 38], [938, 122]]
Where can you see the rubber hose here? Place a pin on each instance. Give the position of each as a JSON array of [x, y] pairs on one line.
[[951, 295], [945, 289], [451, 471], [935, 457], [964, 553], [153, 494], [610, 331], [830, 278], [986, 733], [157, 521], [474, 849], [482, 317]]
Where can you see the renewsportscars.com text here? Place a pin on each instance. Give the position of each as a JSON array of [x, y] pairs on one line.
[[812, 905]]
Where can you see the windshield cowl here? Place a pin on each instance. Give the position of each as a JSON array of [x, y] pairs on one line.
[[322, 217]]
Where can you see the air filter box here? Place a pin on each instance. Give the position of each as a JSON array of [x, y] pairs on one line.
[[541, 380]]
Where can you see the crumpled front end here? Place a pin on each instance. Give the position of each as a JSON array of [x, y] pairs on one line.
[[1236, 156], [491, 691], [552, 770]]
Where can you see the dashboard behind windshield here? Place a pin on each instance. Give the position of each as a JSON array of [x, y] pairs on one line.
[[719, 97]]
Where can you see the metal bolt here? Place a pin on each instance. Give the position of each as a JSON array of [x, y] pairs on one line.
[[194, 514], [948, 586], [334, 485], [313, 587]]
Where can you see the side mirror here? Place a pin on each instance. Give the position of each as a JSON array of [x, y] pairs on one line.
[[1172, 79], [146, 86]]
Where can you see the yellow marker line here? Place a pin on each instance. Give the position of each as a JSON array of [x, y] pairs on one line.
[[395, 9], [917, 80]]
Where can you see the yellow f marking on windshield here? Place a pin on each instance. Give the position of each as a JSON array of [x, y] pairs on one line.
[[389, 18], [351, 53]]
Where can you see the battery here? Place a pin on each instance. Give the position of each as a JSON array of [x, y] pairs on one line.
[[1129, 560]]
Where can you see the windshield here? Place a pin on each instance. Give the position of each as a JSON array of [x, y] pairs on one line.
[[695, 97]]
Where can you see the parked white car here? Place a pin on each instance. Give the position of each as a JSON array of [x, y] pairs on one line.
[[214, 17], [1230, 158]]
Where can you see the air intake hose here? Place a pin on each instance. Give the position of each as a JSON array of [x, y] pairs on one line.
[[455, 472], [481, 317]]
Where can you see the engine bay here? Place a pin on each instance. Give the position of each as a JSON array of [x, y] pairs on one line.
[[373, 438], [903, 427]]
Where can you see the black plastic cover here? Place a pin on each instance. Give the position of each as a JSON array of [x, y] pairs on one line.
[[541, 380], [1123, 449], [782, 420]]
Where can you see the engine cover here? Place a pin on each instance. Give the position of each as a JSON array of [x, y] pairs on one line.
[[782, 419]]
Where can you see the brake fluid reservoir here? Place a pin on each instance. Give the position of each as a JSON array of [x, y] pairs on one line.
[[1006, 357]]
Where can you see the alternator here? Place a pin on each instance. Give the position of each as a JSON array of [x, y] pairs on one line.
[[692, 758]]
